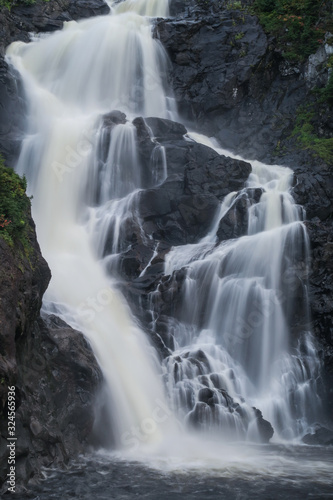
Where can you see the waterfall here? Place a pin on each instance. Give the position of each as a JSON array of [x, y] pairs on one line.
[[238, 299], [72, 79], [234, 353]]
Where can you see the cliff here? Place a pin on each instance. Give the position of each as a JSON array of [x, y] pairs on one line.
[[51, 366]]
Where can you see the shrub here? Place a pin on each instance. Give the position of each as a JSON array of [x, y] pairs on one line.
[[297, 24], [14, 206], [306, 137], [327, 92]]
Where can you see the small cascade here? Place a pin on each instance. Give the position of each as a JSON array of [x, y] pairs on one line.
[[159, 169], [119, 174]]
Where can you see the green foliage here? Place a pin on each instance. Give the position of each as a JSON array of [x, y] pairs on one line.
[[234, 5], [239, 35], [297, 24], [327, 92], [14, 206], [8, 4], [306, 137]]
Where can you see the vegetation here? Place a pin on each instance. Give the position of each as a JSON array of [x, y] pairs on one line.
[[14, 207], [8, 4], [306, 137], [326, 94], [235, 5], [300, 28], [300, 25], [239, 35]]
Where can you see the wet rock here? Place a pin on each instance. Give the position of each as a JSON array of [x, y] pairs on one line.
[[322, 436], [165, 130], [206, 396], [265, 429], [234, 224], [181, 209], [114, 118], [314, 189], [321, 299]]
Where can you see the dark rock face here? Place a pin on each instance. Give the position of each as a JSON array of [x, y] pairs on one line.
[[213, 57], [178, 210], [51, 366], [226, 77], [321, 299], [58, 379], [181, 209], [314, 190], [22, 283], [232, 80], [12, 111]]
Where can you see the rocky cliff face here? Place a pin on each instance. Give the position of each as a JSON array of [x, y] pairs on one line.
[[51, 366], [230, 77]]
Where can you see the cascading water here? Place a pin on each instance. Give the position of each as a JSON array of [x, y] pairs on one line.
[[71, 78], [235, 334], [79, 155]]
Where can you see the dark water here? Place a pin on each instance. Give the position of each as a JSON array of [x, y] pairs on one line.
[[277, 472]]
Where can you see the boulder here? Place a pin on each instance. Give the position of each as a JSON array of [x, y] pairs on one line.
[[234, 223], [322, 436]]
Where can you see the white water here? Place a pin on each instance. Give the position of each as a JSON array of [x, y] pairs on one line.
[[71, 78], [241, 292], [85, 187]]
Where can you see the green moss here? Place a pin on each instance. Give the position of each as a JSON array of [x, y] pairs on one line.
[[306, 137], [14, 207]]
